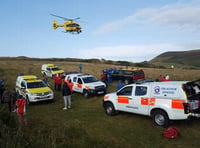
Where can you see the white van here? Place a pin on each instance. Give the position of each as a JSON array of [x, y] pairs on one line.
[[163, 101]]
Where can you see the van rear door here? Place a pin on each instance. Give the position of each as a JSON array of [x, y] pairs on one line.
[[192, 91]]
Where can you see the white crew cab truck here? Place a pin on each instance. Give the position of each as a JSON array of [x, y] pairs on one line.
[[86, 84], [33, 89], [50, 70], [163, 101]]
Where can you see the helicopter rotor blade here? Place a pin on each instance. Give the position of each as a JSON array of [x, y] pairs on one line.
[[64, 18], [60, 17], [76, 18]]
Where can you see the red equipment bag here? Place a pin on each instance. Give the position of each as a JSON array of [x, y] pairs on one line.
[[171, 132]]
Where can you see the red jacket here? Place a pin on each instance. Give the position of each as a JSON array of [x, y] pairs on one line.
[[70, 84], [21, 106], [58, 79], [163, 79]]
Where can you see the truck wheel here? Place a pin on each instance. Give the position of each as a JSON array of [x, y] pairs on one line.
[[85, 93], [160, 118], [109, 109]]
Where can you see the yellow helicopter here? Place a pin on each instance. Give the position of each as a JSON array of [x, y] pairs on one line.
[[70, 25]]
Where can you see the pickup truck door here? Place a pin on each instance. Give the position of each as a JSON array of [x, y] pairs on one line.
[[124, 100], [134, 99], [140, 99], [78, 84]]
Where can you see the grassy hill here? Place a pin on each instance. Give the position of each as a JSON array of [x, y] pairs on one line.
[[86, 125], [186, 59]]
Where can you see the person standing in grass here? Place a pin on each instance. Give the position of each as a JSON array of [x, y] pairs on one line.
[[21, 110], [80, 68], [120, 85], [58, 82], [66, 92]]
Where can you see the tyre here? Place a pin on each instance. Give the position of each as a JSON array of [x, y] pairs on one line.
[[160, 118], [109, 109], [85, 93]]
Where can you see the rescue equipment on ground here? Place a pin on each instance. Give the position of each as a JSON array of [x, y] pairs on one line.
[[171, 133]]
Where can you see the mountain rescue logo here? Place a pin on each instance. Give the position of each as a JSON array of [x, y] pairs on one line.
[[157, 89]]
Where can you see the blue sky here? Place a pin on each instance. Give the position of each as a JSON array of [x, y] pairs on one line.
[[132, 30]]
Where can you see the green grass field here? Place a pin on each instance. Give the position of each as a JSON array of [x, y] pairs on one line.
[[86, 124]]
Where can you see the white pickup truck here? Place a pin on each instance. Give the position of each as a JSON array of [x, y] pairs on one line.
[[86, 84], [163, 101]]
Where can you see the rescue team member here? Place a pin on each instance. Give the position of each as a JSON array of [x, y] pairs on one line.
[[66, 92], [10, 98], [14, 97], [1, 89], [104, 77], [120, 85], [80, 68], [21, 110], [109, 76], [163, 79], [57, 82]]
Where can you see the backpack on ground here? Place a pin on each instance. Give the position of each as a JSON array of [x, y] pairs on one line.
[[171, 132]]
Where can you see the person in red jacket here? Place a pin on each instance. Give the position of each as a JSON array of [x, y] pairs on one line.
[[58, 82], [161, 78], [21, 110], [164, 79]]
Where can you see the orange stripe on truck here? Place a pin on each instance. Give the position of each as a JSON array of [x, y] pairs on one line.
[[148, 101], [144, 101], [152, 101], [105, 97], [79, 85], [178, 104], [122, 99]]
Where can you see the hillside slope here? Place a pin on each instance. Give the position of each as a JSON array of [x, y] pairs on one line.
[[185, 58]]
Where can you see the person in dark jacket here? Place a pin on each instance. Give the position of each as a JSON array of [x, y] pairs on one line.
[[66, 92]]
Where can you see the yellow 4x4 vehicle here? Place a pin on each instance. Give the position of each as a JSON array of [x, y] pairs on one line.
[[50, 70], [33, 89]]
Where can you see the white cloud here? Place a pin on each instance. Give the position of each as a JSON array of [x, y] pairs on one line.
[[135, 53], [183, 16]]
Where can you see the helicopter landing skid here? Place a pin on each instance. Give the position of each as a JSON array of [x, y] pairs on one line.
[[72, 32]]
